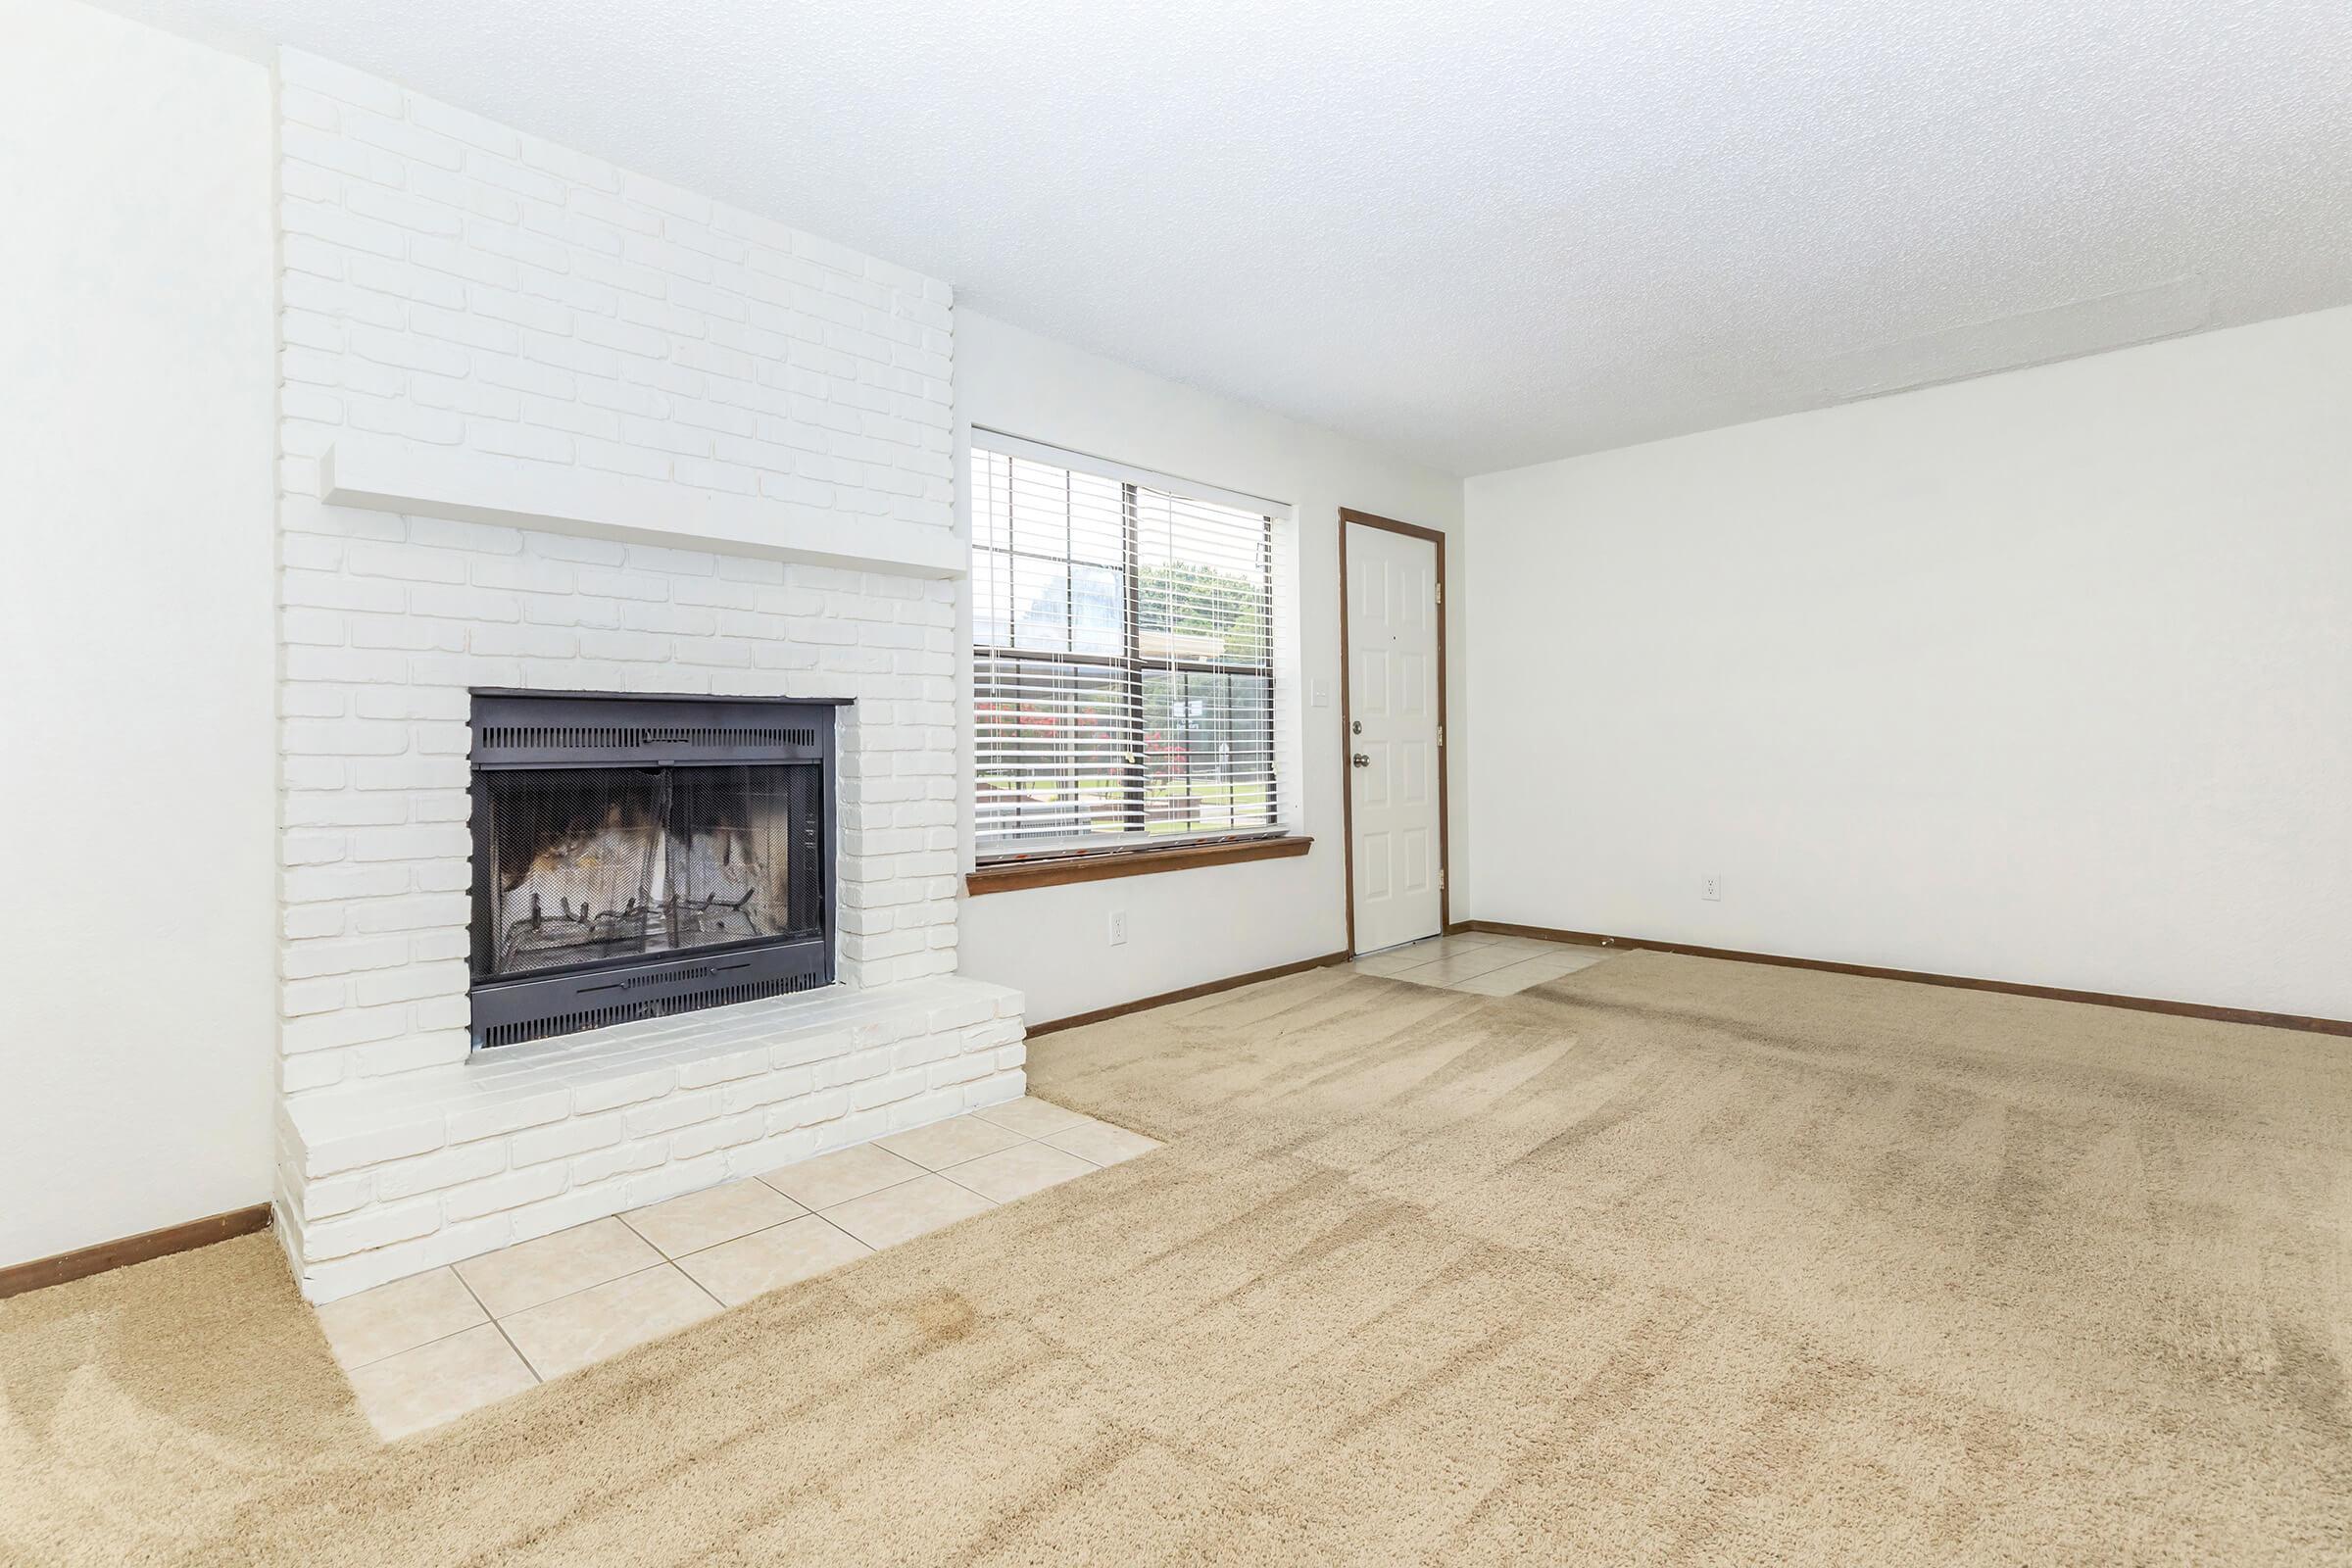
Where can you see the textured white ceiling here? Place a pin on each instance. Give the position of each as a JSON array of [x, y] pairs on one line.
[[1480, 233]]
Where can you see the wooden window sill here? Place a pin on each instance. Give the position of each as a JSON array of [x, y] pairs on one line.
[[1046, 873]]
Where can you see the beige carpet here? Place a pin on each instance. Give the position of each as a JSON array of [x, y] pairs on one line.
[[1670, 1261]]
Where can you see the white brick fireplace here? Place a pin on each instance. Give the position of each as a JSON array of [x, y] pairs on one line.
[[548, 425]]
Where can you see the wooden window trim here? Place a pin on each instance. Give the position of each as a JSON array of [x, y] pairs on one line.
[[1046, 871]]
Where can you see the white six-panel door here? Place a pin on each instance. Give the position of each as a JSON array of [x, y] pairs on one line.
[[1393, 744]]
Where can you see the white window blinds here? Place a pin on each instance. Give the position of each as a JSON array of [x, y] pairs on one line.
[[1124, 667]]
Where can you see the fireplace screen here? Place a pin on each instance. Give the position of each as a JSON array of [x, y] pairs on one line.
[[639, 856], [599, 863]]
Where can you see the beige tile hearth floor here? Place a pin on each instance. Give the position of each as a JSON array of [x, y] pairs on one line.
[[1481, 964], [425, 1350]]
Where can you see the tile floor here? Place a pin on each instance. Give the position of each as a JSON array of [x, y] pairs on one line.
[[1482, 964], [423, 1351]]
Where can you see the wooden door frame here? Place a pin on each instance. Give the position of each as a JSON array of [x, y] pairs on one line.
[[1436, 538]]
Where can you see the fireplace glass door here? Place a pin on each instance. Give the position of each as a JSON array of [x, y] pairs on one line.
[[596, 864]]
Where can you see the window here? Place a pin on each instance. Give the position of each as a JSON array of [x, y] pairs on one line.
[[1122, 661]]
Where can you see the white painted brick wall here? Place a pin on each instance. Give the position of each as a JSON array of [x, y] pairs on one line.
[[375, 841], [452, 283]]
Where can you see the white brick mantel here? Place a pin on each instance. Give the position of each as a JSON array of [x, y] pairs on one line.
[[549, 426], [387, 475]]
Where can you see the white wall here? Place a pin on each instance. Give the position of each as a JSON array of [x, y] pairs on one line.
[[1189, 927], [136, 394], [2045, 677]]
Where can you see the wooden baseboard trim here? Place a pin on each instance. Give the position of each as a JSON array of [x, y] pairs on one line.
[[18, 1278], [2012, 988], [1546, 933], [1210, 988]]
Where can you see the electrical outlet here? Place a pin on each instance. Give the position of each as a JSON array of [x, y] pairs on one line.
[[1711, 886], [1118, 927], [1319, 693]]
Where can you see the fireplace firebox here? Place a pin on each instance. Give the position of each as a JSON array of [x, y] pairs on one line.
[[635, 856]]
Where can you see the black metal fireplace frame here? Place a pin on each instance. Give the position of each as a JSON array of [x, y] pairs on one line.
[[520, 730]]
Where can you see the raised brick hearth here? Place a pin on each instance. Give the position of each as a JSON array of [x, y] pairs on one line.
[[430, 1167]]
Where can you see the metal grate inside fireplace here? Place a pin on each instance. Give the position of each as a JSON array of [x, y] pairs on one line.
[[635, 856]]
